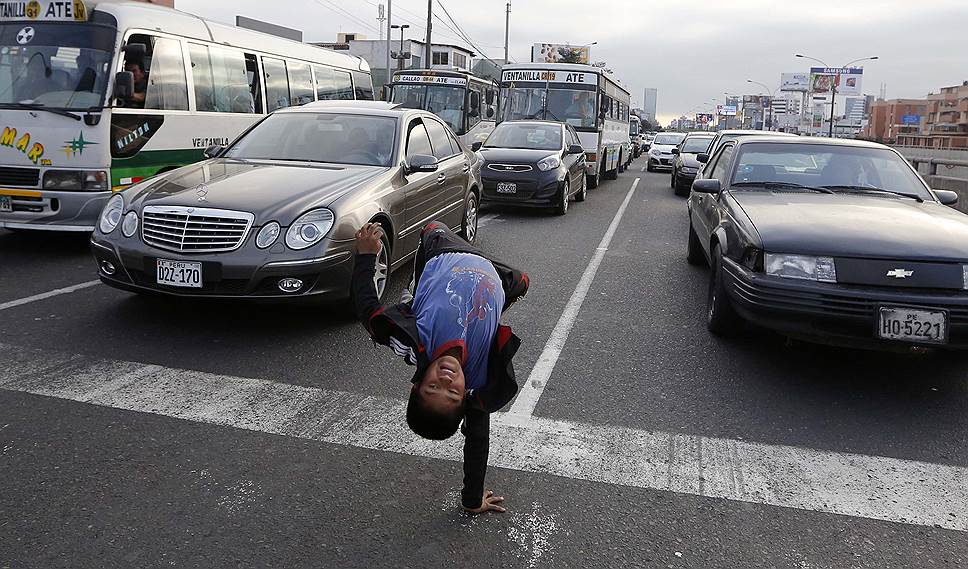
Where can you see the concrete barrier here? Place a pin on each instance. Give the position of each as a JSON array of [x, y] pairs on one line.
[[952, 177]]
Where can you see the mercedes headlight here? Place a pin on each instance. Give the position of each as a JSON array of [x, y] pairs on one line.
[[267, 235], [309, 229], [549, 163], [76, 180], [130, 224], [803, 267], [111, 214]]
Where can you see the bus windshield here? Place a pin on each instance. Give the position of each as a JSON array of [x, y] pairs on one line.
[[64, 66], [573, 106], [445, 101]]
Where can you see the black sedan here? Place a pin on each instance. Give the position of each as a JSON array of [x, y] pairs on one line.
[[834, 241], [533, 164], [275, 214], [685, 165]]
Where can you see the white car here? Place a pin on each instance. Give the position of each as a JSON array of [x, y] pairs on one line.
[[660, 154]]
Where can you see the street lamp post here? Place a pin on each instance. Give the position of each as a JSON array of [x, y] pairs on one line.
[[833, 86], [770, 120], [400, 57]]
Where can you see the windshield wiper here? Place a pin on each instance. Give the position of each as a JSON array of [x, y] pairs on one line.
[[914, 197], [40, 107], [784, 185], [545, 113]]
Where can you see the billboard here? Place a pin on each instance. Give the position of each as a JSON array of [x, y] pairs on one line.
[[758, 101], [846, 80], [911, 119], [560, 53], [703, 119], [795, 82], [726, 110]]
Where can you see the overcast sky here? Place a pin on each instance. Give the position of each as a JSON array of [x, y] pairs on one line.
[[692, 51]]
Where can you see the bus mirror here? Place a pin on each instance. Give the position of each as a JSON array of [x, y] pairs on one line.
[[135, 52], [123, 85], [489, 97], [476, 146], [490, 113], [213, 151]]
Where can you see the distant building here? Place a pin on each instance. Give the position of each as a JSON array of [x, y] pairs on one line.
[[649, 99], [443, 56], [946, 120], [894, 119], [855, 108]]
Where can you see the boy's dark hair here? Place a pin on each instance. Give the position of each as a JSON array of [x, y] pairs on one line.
[[429, 423]]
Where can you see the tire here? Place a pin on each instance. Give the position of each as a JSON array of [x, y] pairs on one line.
[[562, 207], [382, 276], [673, 184], [583, 192], [472, 213], [611, 174], [621, 163], [649, 167], [721, 319], [694, 252], [592, 182]]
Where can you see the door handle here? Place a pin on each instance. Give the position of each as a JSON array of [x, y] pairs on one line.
[[467, 167], [441, 179]]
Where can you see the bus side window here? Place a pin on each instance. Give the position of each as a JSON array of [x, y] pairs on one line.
[[300, 83], [363, 86], [252, 77], [325, 83], [277, 86], [159, 75], [221, 84], [344, 87]]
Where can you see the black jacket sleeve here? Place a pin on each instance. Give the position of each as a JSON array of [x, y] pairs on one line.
[[363, 288], [476, 436]]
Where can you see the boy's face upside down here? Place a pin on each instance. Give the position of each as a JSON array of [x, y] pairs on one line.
[[442, 386]]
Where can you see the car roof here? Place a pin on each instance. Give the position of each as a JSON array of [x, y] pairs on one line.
[[704, 133], [378, 108], [814, 140], [533, 121], [747, 132]]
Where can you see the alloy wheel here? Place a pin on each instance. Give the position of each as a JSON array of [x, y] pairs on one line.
[[470, 219], [382, 271]]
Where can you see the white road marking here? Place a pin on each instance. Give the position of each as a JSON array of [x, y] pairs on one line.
[[879, 488], [643, 169], [541, 372], [48, 294]]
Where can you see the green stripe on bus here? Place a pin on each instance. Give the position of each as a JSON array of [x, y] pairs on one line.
[[147, 163]]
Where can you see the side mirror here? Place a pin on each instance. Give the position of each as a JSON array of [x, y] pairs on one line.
[[135, 51], [420, 163], [648, 146], [490, 112], [476, 146], [213, 151], [702, 158], [946, 197], [576, 149], [707, 186], [123, 85], [675, 150], [473, 112], [489, 97]]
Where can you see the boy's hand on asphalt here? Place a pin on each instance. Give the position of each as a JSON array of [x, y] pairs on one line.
[[368, 239], [489, 503]]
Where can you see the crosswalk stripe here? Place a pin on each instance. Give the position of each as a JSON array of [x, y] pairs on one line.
[[880, 488]]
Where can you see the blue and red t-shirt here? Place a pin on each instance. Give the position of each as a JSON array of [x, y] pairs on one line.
[[458, 303]]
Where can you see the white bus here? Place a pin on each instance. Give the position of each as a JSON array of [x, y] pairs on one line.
[[581, 95], [95, 97], [467, 103]]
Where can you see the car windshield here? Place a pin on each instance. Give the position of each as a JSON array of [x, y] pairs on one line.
[[319, 137], [445, 101], [840, 168], [696, 145], [528, 135], [670, 139], [572, 106], [63, 66]]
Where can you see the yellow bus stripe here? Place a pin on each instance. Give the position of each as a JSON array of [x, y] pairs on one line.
[[20, 193]]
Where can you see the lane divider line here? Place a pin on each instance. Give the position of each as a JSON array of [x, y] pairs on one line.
[[48, 294], [524, 405]]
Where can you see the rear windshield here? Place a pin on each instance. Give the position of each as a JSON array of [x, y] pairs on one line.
[[696, 145], [670, 139]]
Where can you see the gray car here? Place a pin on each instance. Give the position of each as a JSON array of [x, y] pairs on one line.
[[274, 214]]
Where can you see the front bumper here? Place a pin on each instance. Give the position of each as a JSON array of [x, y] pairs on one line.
[[247, 272], [836, 314], [53, 211], [535, 188], [661, 162]]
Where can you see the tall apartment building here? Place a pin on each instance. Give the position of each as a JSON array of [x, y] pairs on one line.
[[858, 108], [894, 120], [649, 99]]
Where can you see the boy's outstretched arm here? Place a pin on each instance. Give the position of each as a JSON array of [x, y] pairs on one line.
[[368, 246], [474, 498]]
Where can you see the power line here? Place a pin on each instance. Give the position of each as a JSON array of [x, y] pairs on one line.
[[343, 12], [464, 34]]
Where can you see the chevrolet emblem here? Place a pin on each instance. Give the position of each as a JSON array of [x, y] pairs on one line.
[[899, 273]]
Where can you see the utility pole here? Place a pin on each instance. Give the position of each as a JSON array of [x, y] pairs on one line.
[[430, 22], [833, 101], [381, 17], [507, 28], [389, 6]]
